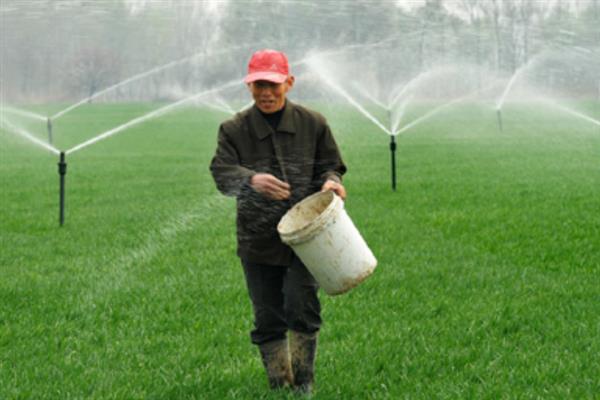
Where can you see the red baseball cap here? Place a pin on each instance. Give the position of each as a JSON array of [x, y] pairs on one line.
[[268, 65]]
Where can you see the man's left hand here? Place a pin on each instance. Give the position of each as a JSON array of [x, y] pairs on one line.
[[337, 188]]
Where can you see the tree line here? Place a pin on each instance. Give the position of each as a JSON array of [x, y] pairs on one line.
[[63, 51]]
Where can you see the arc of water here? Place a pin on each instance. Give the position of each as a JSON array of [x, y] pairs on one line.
[[438, 109], [359, 107], [247, 105], [510, 84], [23, 113], [346, 95], [22, 132], [226, 107], [428, 115], [126, 81], [219, 107], [512, 81], [380, 43], [397, 114], [154, 113], [150, 115], [571, 112], [408, 85], [129, 80], [583, 50], [217, 103], [368, 95], [412, 82]]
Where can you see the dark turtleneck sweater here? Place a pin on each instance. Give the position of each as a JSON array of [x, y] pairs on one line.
[[274, 118]]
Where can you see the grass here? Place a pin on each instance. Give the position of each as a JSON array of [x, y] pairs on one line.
[[486, 285]]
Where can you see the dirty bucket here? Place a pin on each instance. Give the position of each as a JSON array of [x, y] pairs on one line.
[[323, 236]]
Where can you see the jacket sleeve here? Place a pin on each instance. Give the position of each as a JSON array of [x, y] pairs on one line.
[[229, 175], [328, 161]]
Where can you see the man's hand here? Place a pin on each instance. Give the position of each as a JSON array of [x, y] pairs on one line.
[[271, 187], [337, 188]]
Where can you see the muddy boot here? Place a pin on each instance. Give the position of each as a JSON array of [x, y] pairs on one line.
[[276, 359], [303, 348]]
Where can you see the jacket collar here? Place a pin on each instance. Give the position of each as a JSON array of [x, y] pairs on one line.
[[262, 128]]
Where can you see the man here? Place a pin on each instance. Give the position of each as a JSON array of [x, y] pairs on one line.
[[271, 156]]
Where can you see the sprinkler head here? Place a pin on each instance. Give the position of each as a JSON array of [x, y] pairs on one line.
[[499, 115], [62, 171], [62, 164], [49, 126], [393, 160]]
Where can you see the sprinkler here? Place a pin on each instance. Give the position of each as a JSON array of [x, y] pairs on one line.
[[499, 115], [393, 151], [62, 171], [49, 125]]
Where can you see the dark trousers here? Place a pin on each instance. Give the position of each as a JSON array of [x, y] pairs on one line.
[[283, 298]]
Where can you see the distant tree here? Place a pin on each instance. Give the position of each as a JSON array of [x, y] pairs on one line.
[[492, 8], [58, 50], [474, 12], [93, 70], [432, 23]]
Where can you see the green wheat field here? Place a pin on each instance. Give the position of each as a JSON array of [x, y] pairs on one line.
[[487, 285]]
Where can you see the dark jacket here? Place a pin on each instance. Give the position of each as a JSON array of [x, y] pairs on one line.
[[301, 152]]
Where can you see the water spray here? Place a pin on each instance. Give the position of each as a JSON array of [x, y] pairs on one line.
[[516, 74], [153, 114], [62, 171]]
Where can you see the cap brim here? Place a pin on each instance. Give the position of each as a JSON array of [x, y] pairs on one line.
[[265, 76]]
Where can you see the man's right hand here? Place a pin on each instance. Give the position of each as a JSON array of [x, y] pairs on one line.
[[270, 186]]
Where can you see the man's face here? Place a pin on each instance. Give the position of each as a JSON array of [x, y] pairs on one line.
[[269, 96]]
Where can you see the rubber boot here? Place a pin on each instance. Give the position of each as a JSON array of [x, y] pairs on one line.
[[276, 359], [303, 348]]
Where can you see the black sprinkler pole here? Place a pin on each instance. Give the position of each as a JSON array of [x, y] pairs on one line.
[[62, 171], [499, 115], [49, 125], [393, 151]]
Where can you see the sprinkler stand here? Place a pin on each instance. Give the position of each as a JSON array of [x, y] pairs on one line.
[[499, 115], [62, 171], [393, 151], [49, 125]]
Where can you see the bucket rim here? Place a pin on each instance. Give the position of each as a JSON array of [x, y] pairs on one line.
[[312, 228]]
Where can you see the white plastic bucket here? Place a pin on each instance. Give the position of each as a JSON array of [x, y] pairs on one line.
[[323, 236]]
